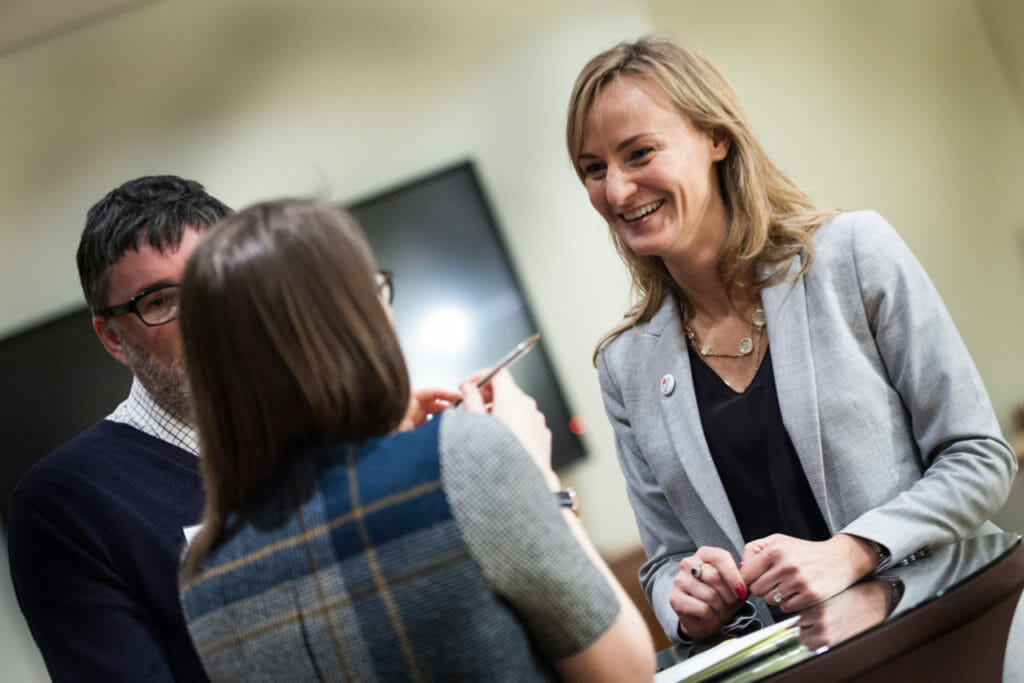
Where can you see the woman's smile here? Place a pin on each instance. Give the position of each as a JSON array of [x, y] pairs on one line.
[[645, 210], [650, 172]]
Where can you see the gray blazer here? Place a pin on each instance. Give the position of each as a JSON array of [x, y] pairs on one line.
[[878, 393]]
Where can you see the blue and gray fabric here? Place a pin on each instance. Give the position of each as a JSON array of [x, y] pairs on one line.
[[432, 554]]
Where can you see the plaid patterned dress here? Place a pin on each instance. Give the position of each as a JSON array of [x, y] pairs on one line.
[[436, 554]]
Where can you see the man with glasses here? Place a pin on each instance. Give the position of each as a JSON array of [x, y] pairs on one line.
[[97, 527]]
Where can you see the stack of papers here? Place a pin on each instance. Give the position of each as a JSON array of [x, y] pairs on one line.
[[748, 658]]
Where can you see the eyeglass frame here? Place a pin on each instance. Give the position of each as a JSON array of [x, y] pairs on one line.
[[388, 283], [132, 306]]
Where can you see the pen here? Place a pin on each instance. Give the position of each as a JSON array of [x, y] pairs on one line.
[[512, 356]]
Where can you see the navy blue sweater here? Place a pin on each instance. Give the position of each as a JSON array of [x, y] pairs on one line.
[[95, 536]]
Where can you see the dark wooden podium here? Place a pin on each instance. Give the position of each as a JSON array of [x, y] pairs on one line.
[[961, 635], [950, 622]]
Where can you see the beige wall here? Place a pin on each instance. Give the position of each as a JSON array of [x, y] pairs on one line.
[[900, 107], [896, 106]]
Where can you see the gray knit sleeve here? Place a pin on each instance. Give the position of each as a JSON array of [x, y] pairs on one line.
[[515, 531]]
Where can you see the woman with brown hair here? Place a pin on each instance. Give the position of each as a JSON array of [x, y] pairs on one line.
[[792, 405], [337, 546]]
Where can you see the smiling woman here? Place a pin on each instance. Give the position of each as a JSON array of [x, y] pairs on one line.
[[777, 411], [651, 174]]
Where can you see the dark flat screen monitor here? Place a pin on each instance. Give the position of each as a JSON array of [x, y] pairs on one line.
[[458, 308]]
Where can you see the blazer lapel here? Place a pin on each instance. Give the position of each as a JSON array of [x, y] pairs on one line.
[[789, 334], [681, 418]]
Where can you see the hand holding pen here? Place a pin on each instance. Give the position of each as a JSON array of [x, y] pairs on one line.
[[425, 404], [520, 350]]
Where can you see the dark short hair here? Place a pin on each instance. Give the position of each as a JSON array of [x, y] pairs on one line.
[[156, 209]]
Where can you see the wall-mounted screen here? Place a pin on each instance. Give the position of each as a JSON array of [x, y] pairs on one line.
[[57, 380], [458, 303]]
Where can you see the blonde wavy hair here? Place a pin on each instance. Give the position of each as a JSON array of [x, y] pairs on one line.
[[770, 219]]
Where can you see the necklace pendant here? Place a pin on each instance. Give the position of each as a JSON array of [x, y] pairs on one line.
[[746, 346], [704, 350]]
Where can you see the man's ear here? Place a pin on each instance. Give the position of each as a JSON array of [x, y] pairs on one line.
[[109, 337]]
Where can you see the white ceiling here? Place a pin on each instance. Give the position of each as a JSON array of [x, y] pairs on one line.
[[24, 22]]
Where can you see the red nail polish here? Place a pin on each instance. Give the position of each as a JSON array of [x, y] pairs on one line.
[[741, 566], [741, 592]]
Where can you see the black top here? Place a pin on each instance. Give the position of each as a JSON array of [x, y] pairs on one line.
[[754, 455]]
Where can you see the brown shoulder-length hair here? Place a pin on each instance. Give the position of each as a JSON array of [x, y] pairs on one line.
[[287, 347], [770, 219]]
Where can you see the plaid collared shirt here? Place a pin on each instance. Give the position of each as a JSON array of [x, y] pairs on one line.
[[140, 411]]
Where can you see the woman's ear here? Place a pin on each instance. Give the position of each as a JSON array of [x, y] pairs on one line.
[[720, 143]]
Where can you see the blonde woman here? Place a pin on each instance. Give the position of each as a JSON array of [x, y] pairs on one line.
[[792, 405]]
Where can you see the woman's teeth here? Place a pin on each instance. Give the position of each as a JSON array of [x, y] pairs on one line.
[[643, 210]]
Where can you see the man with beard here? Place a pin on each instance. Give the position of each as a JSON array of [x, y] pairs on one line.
[[96, 528]]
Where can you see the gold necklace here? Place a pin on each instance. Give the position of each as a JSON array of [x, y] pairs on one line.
[[750, 343]]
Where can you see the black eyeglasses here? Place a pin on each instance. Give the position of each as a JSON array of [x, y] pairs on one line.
[[385, 288], [157, 306]]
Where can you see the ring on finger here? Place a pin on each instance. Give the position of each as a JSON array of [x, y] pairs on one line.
[[777, 596], [696, 571]]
